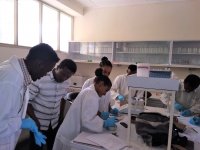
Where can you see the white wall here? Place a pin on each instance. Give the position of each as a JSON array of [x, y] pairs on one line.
[[159, 21], [6, 51]]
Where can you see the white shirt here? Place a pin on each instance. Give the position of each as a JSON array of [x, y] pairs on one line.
[[11, 102], [88, 82], [104, 100], [45, 97], [120, 87], [189, 100], [81, 116]]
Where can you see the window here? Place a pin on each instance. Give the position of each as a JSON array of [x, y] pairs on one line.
[[28, 22], [7, 21], [65, 31], [50, 26]]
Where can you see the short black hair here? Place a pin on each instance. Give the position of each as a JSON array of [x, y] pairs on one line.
[[68, 63], [105, 62], [42, 52], [133, 68], [193, 80]]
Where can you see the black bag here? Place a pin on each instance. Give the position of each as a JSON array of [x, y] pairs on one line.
[[157, 126]]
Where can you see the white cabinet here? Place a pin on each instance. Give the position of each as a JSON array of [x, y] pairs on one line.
[[90, 51], [158, 53], [153, 52], [186, 53], [155, 85]]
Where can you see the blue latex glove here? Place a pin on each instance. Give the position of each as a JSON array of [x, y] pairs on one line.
[[104, 115], [39, 138], [114, 111], [29, 124], [195, 121], [110, 122], [186, 113], [179, 107], [120, 98]]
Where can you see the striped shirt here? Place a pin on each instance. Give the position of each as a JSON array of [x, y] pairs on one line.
[[45, 97]]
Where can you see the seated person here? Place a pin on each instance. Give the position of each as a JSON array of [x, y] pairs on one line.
[[82, 115], [45, 105], [187, 99], [119, 90]]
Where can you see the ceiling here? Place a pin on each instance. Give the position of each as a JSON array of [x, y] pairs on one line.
[[117, 3]]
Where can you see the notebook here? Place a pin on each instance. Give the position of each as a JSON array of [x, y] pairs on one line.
[[108, 141]]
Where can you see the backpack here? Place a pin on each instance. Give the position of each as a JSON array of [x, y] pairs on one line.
[[157, 126]]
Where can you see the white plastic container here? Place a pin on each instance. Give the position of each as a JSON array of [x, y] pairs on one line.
[[143, 70]]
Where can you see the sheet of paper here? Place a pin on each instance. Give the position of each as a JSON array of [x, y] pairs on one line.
[[82, 138], [108, 141], [192, 132]]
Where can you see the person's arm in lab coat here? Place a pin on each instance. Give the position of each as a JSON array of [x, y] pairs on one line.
[[9, 124], [115, 87], [196, 107], [89, 117]]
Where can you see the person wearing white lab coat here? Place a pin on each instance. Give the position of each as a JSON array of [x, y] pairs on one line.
[[187, 97], [82, 115], [106, 67], [120, 87], [15, 75]]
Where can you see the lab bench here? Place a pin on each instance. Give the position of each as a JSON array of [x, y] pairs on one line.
[[136, 141]]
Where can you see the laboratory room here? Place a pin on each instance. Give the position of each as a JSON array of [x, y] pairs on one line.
[[99, 75]]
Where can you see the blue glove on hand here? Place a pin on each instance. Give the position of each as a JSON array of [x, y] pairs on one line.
[[104, 115], [114, 111], [110, 122], [39, 138], [29, 124], [195, 121], [120, 98], [179, 107], [186, 113]]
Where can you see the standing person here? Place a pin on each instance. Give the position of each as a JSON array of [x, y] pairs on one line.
[[106, 67], [15, 75], [46, 107], [82, 115], [119, 90]]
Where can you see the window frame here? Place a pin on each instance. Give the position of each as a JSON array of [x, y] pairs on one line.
[[41, 4]]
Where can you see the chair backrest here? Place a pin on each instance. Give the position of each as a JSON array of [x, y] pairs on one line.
[[72, 96]]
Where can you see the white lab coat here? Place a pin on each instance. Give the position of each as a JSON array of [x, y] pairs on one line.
[[88, 82], [104, 100], [11, 103], [188, 100], [120, 87], [81, 116]]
